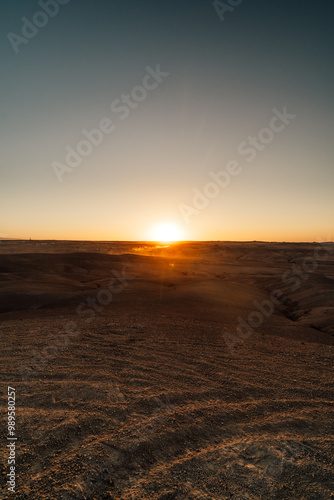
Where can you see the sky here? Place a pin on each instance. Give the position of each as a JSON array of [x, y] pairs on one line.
[[120, 116]]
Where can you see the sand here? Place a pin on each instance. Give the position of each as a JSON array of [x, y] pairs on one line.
[[133, 381]]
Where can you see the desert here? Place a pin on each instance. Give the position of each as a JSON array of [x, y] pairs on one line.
[[155, 393]]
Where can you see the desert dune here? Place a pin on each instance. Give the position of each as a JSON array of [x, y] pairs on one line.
[[133, 380]]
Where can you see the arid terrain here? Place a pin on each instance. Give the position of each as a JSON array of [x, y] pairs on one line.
[[190, 371]]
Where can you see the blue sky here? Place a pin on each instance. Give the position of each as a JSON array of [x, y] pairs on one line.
[[225, 78]]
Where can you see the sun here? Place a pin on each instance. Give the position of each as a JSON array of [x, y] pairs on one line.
[[166, 232]]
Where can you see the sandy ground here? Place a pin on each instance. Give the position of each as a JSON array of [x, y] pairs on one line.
[[134, 381]]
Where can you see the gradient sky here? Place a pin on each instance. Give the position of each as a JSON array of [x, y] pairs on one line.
[[224, 80]]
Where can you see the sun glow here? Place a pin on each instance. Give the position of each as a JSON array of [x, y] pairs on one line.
[[166, 232]]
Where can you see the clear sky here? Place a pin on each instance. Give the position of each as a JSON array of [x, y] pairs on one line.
[[220, 81]]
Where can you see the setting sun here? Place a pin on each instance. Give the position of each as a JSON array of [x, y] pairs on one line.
[[166, 232]]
